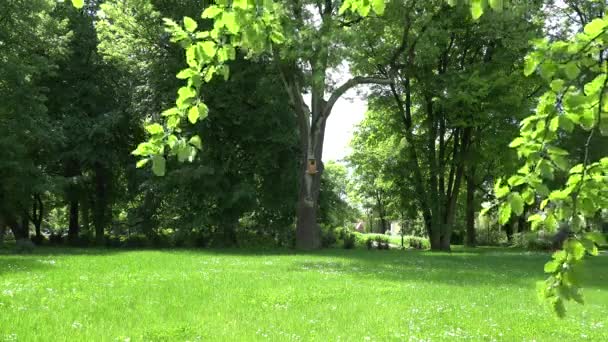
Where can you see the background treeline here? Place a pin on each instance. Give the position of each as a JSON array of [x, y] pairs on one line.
[[77, 87]]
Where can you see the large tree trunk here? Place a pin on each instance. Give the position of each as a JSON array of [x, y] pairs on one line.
[[308, 233], [21, 231]]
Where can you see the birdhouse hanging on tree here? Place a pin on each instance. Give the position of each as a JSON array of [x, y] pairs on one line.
[[312, 166]]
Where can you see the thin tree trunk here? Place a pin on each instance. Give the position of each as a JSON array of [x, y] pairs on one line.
[[470, 209], [74, 228], [2, 230], [37, 214], [101, 202], [451, 206]]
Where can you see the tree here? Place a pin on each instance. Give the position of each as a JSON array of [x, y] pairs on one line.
[[576, 72], [33, 41], [304, 50]]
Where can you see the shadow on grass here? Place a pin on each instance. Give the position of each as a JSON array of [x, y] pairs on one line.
[[463, 267]]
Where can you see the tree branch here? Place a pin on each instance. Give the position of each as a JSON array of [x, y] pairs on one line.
[[348, 85]]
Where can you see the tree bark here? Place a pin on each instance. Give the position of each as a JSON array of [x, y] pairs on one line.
[[37, 214], [74, 227]]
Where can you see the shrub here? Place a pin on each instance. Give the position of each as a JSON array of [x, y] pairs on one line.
[[349, 240], [328, 237], [533, 241], [493, 237], [381, 242], [417, 242], [369, 243]]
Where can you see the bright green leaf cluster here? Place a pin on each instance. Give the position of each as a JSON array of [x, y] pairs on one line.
[[576, 96], [250, 26]]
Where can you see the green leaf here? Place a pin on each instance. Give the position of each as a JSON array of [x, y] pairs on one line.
[[596, 26], [476, 9], [203, 110], [78, 3], [516, 180], [186, 73], [557, 85], [211, 12], [239, 4], [554, 124], [496, 5], [590, 247], [517, 203], [154, 129], [142, 162], [504, 213], [550, 222], [209, 48], [196, 142], [560, 256], [530, 64], [158, 165], [193, 115], [560, 161], [577, 169], [378, 6], [229, 20], [571, 70], [566, 124], [552, 266], [596, 237], [575, 248], [517, 142], [190, 24], [170, 112]]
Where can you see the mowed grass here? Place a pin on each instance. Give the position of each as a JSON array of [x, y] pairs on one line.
[[330, 295]]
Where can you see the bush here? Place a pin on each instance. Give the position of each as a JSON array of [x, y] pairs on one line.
[[369, 243], [381, 242], [533, 241], [350, 240], [328, 237], [417, 242], [493, 237]]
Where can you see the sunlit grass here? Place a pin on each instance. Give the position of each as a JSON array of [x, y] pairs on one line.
[[92, 295]]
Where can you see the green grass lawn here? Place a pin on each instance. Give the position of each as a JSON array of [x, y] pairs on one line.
[[331, 295]]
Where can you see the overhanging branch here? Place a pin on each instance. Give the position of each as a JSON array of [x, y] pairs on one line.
[[348, 85]]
